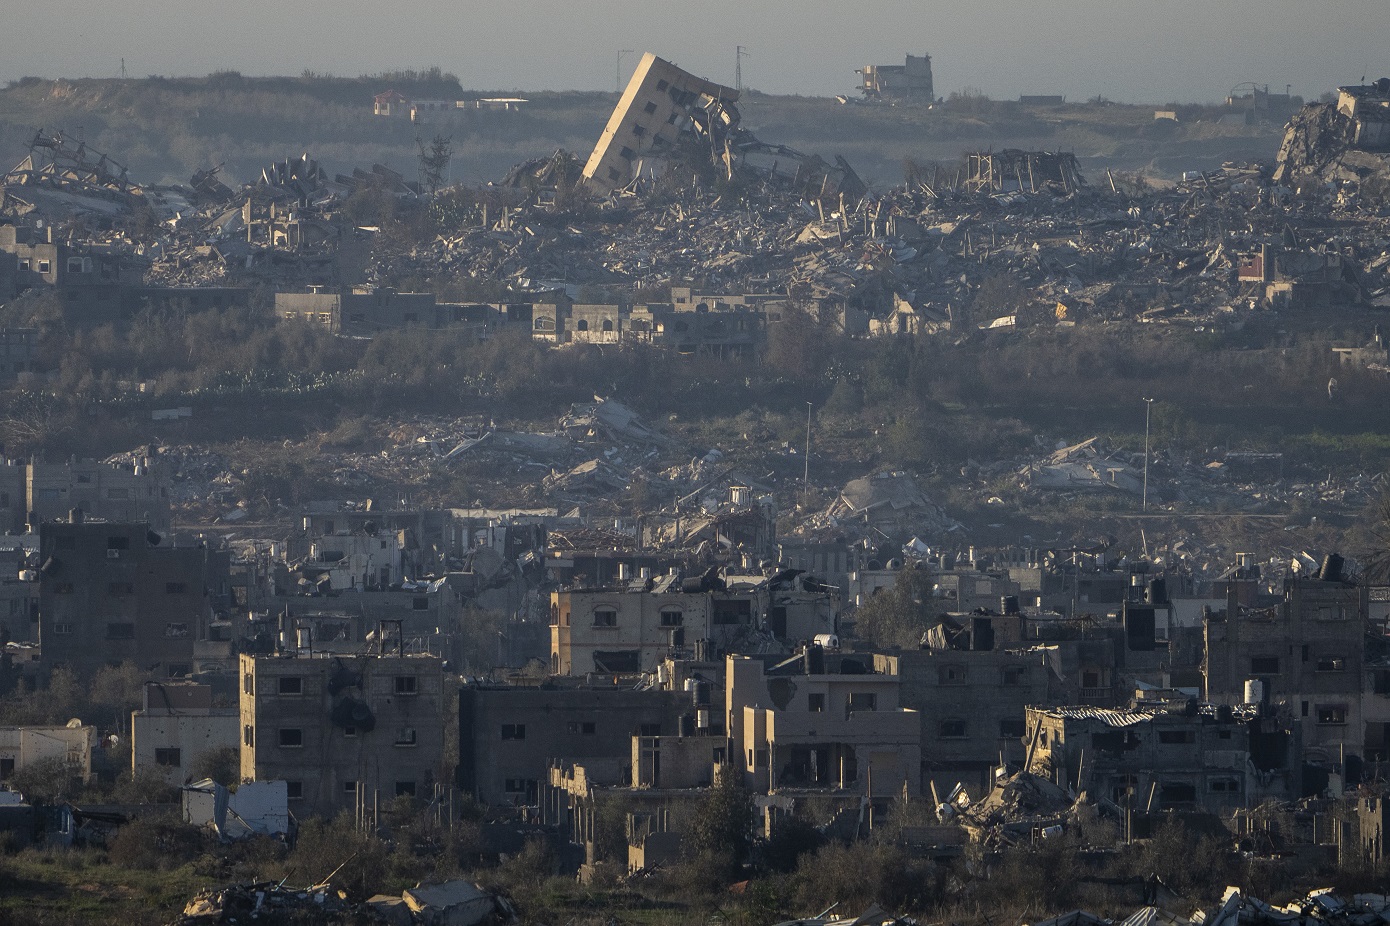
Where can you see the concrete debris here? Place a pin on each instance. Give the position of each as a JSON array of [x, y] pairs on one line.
[[452, 903], [879, 506], [874, 916], [1346, 142], [1089, 465], [1238, 909]]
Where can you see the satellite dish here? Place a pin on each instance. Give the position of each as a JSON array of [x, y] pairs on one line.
[[74, 724]]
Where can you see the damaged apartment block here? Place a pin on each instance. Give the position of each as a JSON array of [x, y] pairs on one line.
[[667, 115]]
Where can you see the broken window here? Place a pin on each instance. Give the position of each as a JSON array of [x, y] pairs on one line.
[[405, 789], [815, 703], [168, 756], [1172, 793], [1012, 728], [407, 685], [951, 675], [863, 701], [639, 130], [951, 729], [513, 731], [291, 737], [405, 736], [662, 85], [672, 618], [1224, 786], [1264, 665], [1015, 675], [627, 153], [1332, 714], [294, 790], [583, 728], [621, 661], [605, 617], [291, 685]]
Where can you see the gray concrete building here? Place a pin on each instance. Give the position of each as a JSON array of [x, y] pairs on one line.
[[344, 732]]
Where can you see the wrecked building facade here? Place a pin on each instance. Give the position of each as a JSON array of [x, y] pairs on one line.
[[346, 733]]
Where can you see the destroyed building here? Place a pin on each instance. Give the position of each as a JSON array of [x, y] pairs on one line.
[[821, 721], [630, 627], [1306, 653], [910, 81], [346, 733], [1155, 758], [177, 727], [511, 735], [971, 702], [660, 104], [1342, 141], [116, 591]]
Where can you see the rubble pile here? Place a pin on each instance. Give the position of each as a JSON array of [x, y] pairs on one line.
[[267, 902], [1317, 908], [457, 903]]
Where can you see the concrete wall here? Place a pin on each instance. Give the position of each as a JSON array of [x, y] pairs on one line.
[[508, 737]]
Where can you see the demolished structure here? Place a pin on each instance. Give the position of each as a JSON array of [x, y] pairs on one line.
[[667, 115], [1348, 140]]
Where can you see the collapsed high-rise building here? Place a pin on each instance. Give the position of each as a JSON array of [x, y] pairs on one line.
[[666, 114], [661, 103]]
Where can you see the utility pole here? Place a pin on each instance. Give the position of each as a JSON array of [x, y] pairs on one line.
[[806, 463], [739, 55], [618, 70], [1148, 409]]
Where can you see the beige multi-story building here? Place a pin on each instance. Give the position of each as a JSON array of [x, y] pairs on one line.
[[660, 103], [821, 722], [632, 629], [343, 732], [176, 727]]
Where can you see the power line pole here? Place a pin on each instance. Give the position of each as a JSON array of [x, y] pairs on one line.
[[739, 55], [1148, 409], [806, 467], [618, 70]]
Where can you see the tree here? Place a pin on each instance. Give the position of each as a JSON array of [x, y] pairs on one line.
[[434, 161], [722, 828], [898, 617]]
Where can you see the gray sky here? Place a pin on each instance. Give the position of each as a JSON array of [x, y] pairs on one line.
[[1127, 50]]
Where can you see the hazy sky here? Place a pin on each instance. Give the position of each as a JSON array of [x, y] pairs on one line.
[[1127, 50]]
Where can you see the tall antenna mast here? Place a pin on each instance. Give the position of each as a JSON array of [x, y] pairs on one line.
[[739, 55]]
